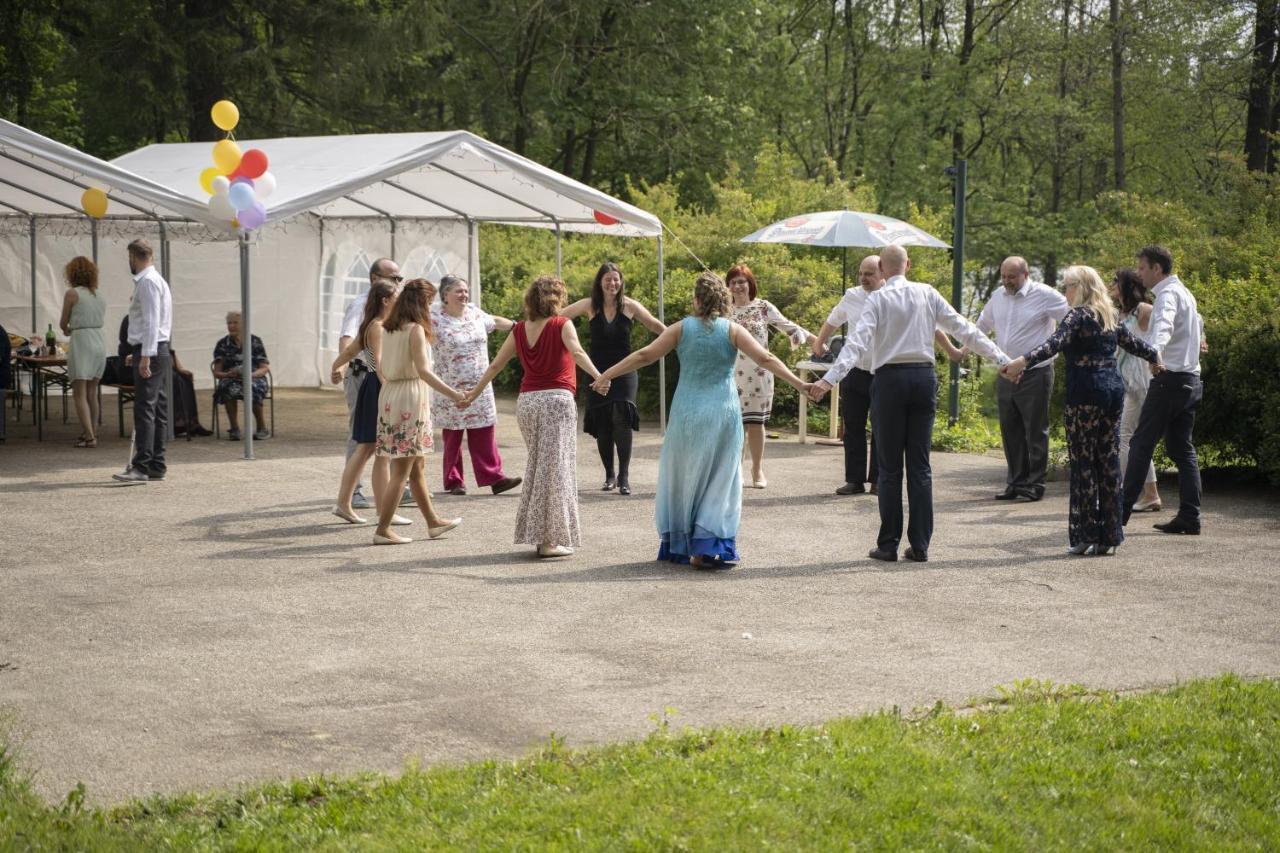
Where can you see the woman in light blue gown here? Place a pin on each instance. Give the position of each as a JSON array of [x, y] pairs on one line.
[[699, 478]]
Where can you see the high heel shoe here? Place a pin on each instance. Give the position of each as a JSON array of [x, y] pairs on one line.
[[1080, 549], [441, 529], [609, 484], [624, 488], [1102, 550]]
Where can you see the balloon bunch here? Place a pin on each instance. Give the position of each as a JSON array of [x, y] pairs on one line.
[[238, 182]]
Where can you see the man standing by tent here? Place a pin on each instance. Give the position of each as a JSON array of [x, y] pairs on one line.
[[150, 319], [383, 268]]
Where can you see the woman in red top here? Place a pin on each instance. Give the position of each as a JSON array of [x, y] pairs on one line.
[[548, 347]]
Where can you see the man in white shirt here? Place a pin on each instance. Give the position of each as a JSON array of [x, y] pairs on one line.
[[897, 328], [1169, 411], [381, 268], [855, 388], [1023, 314], [150, 321]]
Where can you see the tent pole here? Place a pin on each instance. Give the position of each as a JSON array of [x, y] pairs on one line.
[[246, 350], [662, 362], [393, 236], [557, 248], [35, 328], [471, 263], [168, 376], [93, 233]]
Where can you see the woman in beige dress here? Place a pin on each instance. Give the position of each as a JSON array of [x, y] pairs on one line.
[[82, 313], [404, 410]]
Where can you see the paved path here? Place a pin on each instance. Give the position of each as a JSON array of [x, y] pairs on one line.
[[222, 627]]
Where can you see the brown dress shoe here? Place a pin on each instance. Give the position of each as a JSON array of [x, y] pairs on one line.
[[506, 484]]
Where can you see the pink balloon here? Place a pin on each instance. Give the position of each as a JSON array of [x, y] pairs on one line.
[[253, 217]]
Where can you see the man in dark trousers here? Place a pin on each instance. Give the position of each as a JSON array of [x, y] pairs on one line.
[[1169, 411], [897, 327], [150, 322]]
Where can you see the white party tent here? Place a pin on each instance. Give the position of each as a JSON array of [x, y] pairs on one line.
[[340, 203]]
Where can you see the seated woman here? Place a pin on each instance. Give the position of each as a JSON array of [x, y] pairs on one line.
[[228, 356]]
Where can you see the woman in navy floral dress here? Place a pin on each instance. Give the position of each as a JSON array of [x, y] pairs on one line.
[[1088, 337]]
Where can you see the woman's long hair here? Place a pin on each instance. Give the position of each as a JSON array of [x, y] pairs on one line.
[[380, 290], [712, 297], [1091, 293], [597, 289], [82, 272], [413, 306], [1132, 291]]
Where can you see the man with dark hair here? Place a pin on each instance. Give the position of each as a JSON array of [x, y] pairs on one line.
[[382, 268], [1023, 314], [150, 320], [1170, 408]]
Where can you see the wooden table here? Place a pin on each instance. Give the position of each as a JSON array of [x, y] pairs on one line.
[[52, 366], [818, 368]]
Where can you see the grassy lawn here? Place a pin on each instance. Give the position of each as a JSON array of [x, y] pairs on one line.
[[1194, 767]]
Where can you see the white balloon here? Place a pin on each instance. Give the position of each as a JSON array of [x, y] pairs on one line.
[[220, 185], [220, 207], [264, 185]]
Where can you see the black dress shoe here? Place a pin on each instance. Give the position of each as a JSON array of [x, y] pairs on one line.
[[883, 554], [851, 489], [1177, 525], [1008, 494], [624, 488], [1031, 493], [506, 484], [919, 556], [608, 485]]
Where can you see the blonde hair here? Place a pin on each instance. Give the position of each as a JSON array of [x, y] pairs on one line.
[[712, 296], [1091, 293]]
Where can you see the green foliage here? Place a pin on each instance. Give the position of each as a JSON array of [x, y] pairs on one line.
[[1190, 768], [973, 431]]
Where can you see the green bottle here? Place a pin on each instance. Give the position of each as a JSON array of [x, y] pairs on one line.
[[51, 340]]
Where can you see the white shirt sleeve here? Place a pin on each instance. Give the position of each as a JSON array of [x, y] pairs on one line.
[[987, 320], [774, 318], [958, 327], [149, 300], [854, 346], [1057, 306], [1163, 313], [837, 318], [351, 319]]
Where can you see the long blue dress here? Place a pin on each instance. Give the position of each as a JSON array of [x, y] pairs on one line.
[[699, 478]]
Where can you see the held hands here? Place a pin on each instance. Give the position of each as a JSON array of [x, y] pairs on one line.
[[601, 386], [463, 400], [1158, 368], [818, 390], [1013, 370], [819, 348]]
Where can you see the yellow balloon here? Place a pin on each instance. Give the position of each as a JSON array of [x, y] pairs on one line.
[[206, 178], [225, 115], [94, 202], [226, 156]]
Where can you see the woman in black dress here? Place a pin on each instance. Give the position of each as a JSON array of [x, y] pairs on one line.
[[1087, 337], [611, 418]]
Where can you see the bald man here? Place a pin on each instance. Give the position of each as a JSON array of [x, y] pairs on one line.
[[855, 388], [897, 328], [1023, 314]]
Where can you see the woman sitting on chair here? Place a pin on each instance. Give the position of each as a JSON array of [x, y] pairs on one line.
[[228, 355]]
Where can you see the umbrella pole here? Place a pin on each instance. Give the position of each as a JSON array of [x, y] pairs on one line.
[[957, 277], [844, 270]]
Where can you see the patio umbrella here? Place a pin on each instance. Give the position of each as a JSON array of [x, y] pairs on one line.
[[844, 228]]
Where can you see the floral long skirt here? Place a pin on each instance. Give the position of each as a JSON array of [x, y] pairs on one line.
[[548, 511]]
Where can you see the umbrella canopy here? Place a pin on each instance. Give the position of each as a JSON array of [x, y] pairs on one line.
[[844, 228]]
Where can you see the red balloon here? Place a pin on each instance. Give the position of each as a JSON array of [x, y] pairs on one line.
[[253, 163], [602, 218]]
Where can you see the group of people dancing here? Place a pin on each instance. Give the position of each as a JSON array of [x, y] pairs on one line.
[[418, 362]]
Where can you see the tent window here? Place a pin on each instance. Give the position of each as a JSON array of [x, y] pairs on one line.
[[428, 263], [337, 293]]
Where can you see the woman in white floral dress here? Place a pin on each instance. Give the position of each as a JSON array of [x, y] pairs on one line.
[[461, 358], [404, 413], [755, 384]]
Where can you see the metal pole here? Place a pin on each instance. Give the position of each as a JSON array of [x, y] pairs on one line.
[[35, 328], [393, 236], [557, 249], [93, 233], [844, 270], [662, 362], [170, 429], [246, 350], [957, 275], [471, 263]]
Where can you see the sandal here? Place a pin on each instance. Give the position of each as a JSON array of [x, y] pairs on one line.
[[87, 442]]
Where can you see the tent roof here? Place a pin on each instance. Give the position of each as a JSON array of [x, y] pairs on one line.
[[444, 175], [43, 178]]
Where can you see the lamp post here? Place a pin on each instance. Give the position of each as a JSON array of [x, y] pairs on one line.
[[959, 174]]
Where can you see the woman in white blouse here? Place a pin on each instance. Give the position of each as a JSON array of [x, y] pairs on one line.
[[461, 358], [755, 384]]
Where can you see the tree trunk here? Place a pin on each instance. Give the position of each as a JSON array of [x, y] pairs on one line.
[[1117, 93], [966, 51], [1260, 114]]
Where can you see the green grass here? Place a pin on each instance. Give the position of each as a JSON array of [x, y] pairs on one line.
[[1043, 767]]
